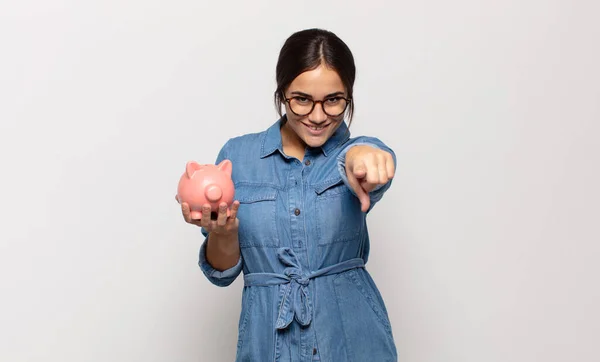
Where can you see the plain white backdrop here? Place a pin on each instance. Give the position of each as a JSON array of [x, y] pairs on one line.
[[486, 247]]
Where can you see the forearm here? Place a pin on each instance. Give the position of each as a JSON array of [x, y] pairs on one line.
[[222, 251]]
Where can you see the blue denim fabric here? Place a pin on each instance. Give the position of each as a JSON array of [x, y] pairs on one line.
[[304, 244]]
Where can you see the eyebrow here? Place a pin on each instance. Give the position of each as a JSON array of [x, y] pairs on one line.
[[309, 96]]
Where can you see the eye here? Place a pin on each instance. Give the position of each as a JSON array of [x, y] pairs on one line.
[[334, 100], [302, 100]]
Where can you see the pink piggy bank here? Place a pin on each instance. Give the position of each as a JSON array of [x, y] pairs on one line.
[[206, 184]]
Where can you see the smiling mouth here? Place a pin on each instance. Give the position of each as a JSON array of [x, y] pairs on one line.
[[316, 128]]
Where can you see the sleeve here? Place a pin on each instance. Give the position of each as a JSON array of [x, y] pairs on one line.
[[216, 277], [377, 193]]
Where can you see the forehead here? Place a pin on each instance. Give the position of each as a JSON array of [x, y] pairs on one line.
[[317, 82]]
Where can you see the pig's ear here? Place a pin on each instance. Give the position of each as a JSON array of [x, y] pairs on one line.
[[225, 166], [191, 167]]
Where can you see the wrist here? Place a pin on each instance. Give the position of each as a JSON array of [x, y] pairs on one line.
[[225, 243]]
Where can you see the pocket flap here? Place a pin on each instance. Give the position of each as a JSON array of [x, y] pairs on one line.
[[331, 183], [247, 194]]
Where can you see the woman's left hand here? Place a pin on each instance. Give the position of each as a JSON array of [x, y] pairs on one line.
[[366, 168]]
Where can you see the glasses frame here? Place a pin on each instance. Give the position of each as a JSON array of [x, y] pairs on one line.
[[314, 102]]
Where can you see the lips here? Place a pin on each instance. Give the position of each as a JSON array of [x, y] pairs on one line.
[[316, 130]]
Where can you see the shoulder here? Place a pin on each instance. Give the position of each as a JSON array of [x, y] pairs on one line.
[[244, 144], [248, 139]]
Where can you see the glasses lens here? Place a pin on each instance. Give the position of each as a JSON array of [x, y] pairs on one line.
[[301, 106], [334, 106]]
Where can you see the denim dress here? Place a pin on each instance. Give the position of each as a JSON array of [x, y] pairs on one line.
[[304, 243]]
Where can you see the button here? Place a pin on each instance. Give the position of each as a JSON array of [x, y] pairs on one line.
[[297, 212], [314, 351], [307, 162]]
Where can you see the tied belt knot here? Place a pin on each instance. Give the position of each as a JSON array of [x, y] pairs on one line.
[[295, 302]]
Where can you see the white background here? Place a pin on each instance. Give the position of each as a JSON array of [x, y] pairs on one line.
[[486, 248]]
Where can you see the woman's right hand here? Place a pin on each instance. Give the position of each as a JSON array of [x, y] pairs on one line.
[[222, 225]]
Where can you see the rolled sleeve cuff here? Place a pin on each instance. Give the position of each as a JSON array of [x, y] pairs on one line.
[[219, 278]]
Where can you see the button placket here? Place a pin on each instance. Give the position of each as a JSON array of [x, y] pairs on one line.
[[295, 203]]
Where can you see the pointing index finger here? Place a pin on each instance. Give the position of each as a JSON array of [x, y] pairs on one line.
[[362, 195]]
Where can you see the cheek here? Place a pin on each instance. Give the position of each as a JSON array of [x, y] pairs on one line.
[[288, 110], [297, 126], [293, 119]]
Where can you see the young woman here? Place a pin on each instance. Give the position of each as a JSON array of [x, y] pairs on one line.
[[298, 226]]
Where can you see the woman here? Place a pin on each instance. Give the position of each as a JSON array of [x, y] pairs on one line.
[[298, 226]]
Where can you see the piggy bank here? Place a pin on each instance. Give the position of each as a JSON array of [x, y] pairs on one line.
[[206, 184]]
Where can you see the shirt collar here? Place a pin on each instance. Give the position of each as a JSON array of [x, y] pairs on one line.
[[272, 139]]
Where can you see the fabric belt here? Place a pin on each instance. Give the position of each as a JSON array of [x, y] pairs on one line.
[[295, 300]]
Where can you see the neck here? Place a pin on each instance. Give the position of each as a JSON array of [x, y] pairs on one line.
[[293, 146]]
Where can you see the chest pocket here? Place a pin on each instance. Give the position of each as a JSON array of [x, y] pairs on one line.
[[256, 214], [337, 212]]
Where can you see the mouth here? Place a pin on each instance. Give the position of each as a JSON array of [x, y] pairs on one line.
[[316, 130]]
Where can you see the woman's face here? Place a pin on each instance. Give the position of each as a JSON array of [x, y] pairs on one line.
[[320, 84]]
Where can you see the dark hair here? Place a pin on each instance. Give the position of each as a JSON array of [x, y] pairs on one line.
[[306, 50]]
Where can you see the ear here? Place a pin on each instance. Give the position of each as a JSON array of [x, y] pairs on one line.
[[225, 166], [191, 167]]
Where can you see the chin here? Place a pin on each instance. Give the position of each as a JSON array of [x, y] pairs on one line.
[[315, 142]]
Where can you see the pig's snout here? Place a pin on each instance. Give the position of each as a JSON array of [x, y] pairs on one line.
[[213, 193]]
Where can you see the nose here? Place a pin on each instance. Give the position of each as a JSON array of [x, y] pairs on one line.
[[213, 193], [317, 116]]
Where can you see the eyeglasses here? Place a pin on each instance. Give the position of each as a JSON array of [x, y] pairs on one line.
[[303, 106]]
